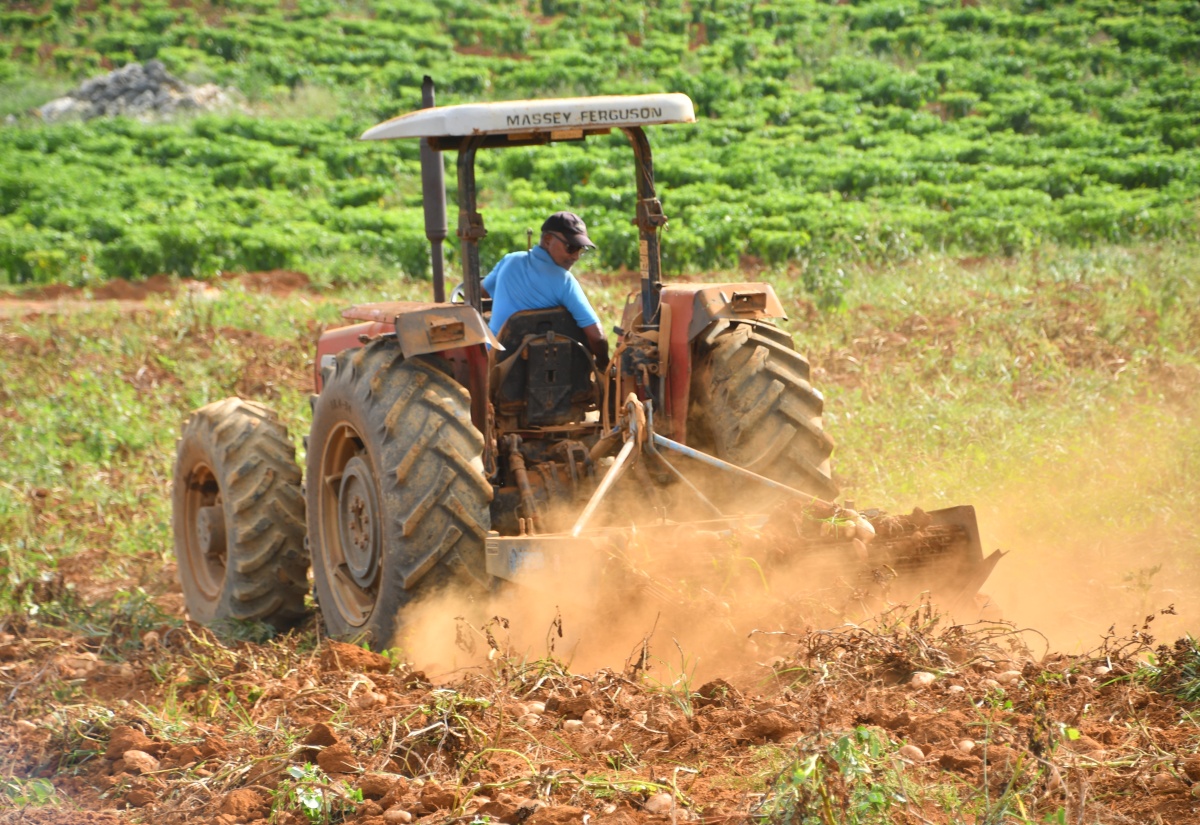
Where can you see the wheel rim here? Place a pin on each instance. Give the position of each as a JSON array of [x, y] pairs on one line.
[[206, 550], [351, 543], [358, 522]]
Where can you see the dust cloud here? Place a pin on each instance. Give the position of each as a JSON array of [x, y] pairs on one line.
[[1092, 541], [1103, 534], [678, 601]]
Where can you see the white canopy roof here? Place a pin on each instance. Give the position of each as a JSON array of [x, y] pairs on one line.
[[570, 114]]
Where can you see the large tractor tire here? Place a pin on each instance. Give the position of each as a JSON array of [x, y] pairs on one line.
[[238, 516], [397, 497], [752, 405]]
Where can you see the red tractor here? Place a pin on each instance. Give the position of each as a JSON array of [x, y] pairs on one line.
[[438, 451]]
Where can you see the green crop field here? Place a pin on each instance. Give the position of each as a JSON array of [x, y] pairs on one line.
[[873, 131]]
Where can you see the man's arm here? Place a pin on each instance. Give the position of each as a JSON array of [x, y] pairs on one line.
[[598, 344]]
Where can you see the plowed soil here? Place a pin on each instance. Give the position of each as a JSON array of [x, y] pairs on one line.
[[172, 723], [116, 711]]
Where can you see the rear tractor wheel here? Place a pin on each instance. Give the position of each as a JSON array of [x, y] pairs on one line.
[[397, 496], [238, 516], [752, 405]]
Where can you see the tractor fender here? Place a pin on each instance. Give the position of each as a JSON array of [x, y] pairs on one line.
[[422, 328], [694, 309]]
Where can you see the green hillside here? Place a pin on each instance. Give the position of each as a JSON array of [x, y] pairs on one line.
[[870, 130]]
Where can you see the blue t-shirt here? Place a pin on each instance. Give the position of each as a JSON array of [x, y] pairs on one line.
[[531, 280]]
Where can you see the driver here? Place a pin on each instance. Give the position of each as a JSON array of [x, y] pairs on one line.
[[541, 278]]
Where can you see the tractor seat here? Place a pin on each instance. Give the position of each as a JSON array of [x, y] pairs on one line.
[[544, 374]]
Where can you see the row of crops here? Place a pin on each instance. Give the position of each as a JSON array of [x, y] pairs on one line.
[[826, 130]]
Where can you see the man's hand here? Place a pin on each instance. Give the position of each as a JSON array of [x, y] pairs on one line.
[[598, 344]]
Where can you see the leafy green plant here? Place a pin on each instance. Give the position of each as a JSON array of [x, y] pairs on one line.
[[677, 684], [310, 790], [1175, 669], [29, 793], [847, 781]]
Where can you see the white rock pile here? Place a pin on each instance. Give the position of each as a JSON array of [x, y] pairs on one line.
[[142, 91]]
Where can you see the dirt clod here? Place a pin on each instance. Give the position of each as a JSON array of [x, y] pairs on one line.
[[337, 759], [341, 656], [245, 805]]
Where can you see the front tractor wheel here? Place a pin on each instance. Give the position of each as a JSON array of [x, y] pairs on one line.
[[238, 516], [753, 405], [397, 497]]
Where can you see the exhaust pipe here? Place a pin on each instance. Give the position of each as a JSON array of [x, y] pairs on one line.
[[433, 195]]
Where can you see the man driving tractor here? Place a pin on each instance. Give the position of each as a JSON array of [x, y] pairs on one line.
[[541, 278]]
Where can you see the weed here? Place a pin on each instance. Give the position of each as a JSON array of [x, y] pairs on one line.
[[677, 686], [843, 782], [31, 793], [1175, 669], [320, 799]]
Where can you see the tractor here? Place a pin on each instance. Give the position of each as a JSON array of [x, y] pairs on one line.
[[439, 452]]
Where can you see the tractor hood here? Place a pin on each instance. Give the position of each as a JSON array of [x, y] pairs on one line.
[[524, 117]]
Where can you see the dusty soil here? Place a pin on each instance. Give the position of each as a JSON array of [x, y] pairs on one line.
[[142, 719], [129, 295], [133, 716]]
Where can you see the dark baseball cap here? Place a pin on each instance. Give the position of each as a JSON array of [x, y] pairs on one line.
[[570, 226]]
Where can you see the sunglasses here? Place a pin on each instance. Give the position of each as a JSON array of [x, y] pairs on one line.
[[572, 248]]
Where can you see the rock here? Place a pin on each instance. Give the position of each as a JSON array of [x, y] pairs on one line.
[[592, 719], [965, 745], [24, 726], [660, 803], [956, 689], [135, 762], [911, 753], [136, 89], [125, 738], [990, 684], [1009, 677], [573, 724], [344, 657], [1195, 791], [535, 707], [529, 720], [921, 679], [245, 805], [396, 814], [150, 639], [337, 759], [1101, 670]]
